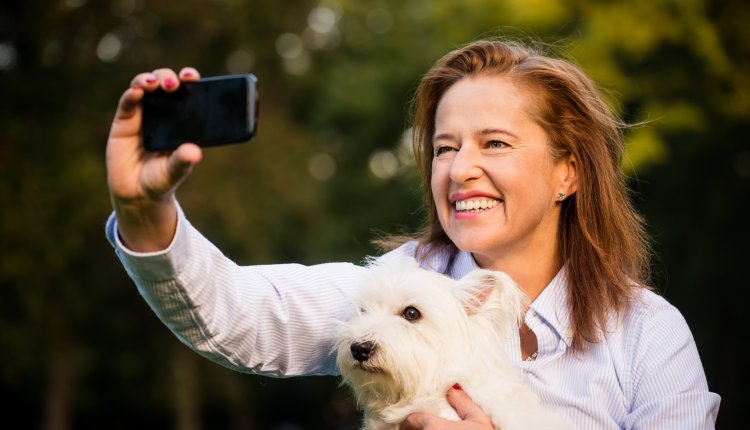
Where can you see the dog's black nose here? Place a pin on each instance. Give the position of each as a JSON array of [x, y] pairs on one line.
[[361, 351]]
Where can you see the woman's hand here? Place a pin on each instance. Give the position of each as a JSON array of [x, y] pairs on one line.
[[142, 183], [472, 416]]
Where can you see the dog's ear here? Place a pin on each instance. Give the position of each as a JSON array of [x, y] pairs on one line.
[[490, 292]]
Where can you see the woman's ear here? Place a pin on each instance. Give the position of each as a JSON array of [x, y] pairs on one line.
[[568, 175]]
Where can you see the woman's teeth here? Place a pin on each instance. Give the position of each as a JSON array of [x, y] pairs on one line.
[[475, 205]]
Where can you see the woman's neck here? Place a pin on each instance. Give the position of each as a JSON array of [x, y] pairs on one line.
[[531, 271]]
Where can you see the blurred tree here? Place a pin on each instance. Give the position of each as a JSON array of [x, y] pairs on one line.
[[328, 170], [68, 319]]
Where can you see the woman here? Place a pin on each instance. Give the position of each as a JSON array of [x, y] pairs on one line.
[[521, 158]]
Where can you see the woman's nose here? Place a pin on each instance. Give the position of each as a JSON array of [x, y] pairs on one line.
[[465, 165]]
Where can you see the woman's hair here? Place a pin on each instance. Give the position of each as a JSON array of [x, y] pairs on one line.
[[601, 237]]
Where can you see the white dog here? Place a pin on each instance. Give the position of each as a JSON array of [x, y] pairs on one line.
[[419, 332]]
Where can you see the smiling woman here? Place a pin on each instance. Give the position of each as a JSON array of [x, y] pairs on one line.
[[523, 128], [519, 156], [496, 153]]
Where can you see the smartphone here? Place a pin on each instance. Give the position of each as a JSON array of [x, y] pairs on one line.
[[212, 111]]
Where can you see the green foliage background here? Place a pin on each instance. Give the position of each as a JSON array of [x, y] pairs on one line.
[[326, 173]]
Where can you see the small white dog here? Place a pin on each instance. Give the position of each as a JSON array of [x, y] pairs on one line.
[[419, 332]]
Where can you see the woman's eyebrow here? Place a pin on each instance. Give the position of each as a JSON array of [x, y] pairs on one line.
[[488, 131], [445, 136], [482, 132]]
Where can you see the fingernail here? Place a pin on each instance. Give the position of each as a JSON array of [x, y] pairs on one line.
[[169, 82], [151, 80], [188, 74], [457, 386], [136, 87]]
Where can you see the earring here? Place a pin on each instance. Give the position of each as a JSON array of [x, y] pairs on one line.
[[560, 196]]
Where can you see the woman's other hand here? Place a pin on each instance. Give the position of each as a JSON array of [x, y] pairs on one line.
[[472, 416], [142, 183]]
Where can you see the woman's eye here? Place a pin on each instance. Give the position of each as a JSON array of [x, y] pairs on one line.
[[442, 150], [411, 314], [496, 144]]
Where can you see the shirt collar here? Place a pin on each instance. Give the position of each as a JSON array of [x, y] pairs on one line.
[[462, 265], [551, 305]]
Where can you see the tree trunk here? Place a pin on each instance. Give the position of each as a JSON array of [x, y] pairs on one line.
[[57, 408], [186, 390]]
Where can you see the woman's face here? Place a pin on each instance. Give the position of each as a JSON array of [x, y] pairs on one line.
[[494, 180]]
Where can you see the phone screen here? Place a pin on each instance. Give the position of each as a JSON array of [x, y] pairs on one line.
[[210, 112]]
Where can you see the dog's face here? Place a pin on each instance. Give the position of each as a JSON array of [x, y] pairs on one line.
[[411, 325], [398, 321]]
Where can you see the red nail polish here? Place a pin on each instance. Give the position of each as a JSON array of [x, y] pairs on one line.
[[169, 82], [457, 386], [150, 80], [188, 74]]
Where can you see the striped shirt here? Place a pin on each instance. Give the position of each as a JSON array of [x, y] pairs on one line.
[[280, 320]]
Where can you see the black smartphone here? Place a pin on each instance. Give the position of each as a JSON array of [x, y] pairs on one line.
[[210, 112]]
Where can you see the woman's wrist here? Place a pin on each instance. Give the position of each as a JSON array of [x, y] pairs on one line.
[[146, 226]]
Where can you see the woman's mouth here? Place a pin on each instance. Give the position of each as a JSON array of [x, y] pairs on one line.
[[475, 204]]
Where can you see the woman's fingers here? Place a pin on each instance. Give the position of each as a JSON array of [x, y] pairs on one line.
[[181, 162], [134, 173], [127, 118], [165, 78], [129, 103], [124, 134], [466, 409], [148, 81], [168, 80], [127, 121], [189, 74], [422, 421], [473, 417]]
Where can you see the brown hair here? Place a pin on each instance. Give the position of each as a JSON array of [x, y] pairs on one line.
[[601, 237]]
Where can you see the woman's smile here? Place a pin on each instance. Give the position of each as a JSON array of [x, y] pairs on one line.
[[473, 204], [494, 179]]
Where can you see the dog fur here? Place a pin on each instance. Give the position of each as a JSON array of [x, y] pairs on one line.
[[407, 364]]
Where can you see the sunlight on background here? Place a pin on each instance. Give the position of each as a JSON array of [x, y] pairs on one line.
[[7, 56], [322, 166], [332, 164]]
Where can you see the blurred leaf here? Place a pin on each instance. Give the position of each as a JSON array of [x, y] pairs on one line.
[[312, 186]]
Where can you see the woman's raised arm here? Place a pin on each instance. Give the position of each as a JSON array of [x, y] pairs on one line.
[[142, 183]]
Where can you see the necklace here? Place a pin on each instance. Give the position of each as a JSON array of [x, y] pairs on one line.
[[532, 357]]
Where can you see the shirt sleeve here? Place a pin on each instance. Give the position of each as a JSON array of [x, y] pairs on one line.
[[669, 388], [274, 320]]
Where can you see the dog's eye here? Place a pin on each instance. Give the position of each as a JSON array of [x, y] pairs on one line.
[[411, 314]]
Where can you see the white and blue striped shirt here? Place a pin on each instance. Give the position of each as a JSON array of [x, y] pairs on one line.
[[279, 320]]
